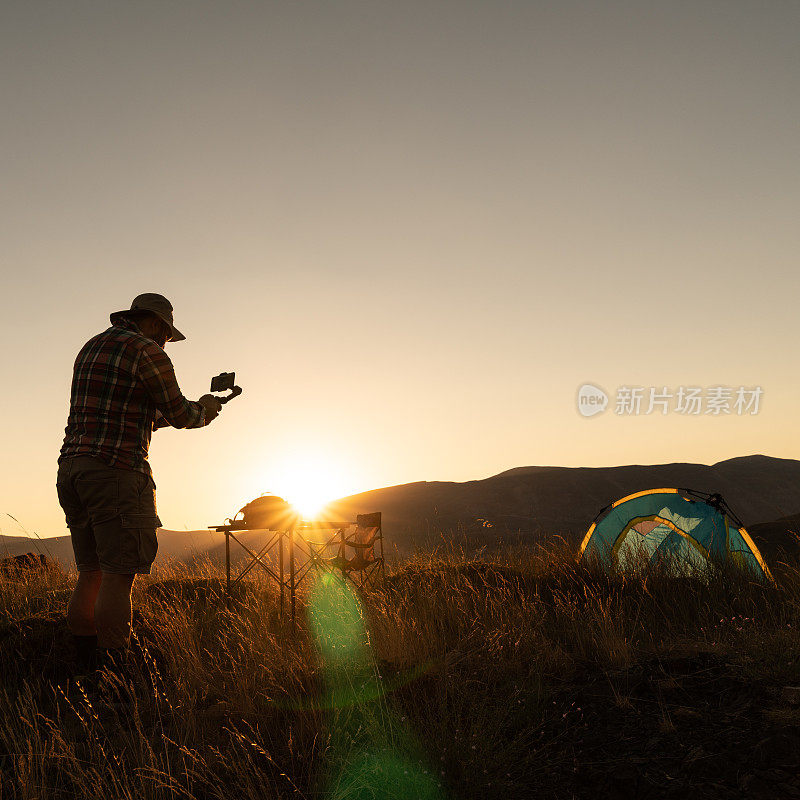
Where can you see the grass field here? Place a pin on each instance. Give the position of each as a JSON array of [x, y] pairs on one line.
[[514, 675]]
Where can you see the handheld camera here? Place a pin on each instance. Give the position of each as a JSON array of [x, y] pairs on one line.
[[224, 382]]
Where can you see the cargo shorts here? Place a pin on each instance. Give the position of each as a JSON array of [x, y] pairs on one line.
[[111, 515]]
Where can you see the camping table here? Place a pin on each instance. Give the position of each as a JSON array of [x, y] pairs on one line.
[[293, 539]]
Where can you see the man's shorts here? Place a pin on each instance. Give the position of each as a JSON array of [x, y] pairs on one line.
[[111, 514]]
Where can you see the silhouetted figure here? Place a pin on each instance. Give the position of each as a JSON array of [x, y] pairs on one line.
[[123, 388]]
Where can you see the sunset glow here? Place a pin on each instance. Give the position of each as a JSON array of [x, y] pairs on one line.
[[415, 231], [310, 480]]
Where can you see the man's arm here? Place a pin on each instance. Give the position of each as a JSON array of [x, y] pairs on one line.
[[155, 371]]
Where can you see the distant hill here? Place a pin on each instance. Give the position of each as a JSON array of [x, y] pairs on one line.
[[527, 503], [182, 546], [178, 545], [535, 501]]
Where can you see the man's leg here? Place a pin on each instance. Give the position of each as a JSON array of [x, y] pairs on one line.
[[80, 611], [112, 611], [80, 620], [112, 615]]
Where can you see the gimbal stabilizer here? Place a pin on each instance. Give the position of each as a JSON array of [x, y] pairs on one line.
[[222, 383]]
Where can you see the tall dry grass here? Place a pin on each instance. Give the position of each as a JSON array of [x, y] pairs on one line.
[[453, 679]]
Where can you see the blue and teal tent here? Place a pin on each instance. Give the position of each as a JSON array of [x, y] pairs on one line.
[[681, 527]]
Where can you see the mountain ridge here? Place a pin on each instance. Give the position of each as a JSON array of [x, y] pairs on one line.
[[564, 500], [525, 503]]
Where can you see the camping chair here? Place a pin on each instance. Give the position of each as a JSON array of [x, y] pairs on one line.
[[361, 553]]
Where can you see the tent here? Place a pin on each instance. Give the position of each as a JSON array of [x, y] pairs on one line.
[[681, 527]]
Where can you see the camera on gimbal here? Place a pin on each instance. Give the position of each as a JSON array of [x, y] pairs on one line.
[[224, 382]]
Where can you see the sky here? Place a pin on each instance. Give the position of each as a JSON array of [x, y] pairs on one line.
[[413, 229]]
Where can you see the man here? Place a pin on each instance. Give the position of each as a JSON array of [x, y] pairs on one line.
[[123, 388]]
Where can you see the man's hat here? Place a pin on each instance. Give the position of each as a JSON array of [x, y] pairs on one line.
[[153, 304]]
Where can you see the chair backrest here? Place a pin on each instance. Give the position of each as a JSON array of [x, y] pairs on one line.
[[363, 540], [369, 520]]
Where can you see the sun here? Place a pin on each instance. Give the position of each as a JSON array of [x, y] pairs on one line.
[[310, 481]]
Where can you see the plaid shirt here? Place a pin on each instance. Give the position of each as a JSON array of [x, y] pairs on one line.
[[124, 388]]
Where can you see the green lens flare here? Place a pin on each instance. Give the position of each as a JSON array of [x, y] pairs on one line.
[[371, 749], [337, 623], [384, 775]]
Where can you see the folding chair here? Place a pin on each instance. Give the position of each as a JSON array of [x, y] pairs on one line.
[[366, 564]]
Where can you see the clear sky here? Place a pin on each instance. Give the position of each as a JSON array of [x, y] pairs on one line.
[[414, 229]]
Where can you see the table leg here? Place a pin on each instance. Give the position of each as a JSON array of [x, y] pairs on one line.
[[291, 575], [280, 570]]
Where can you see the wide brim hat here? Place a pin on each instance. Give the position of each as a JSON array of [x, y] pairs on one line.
[[152, 304]]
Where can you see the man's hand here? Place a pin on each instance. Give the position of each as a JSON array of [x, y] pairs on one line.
[[212, 406]]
